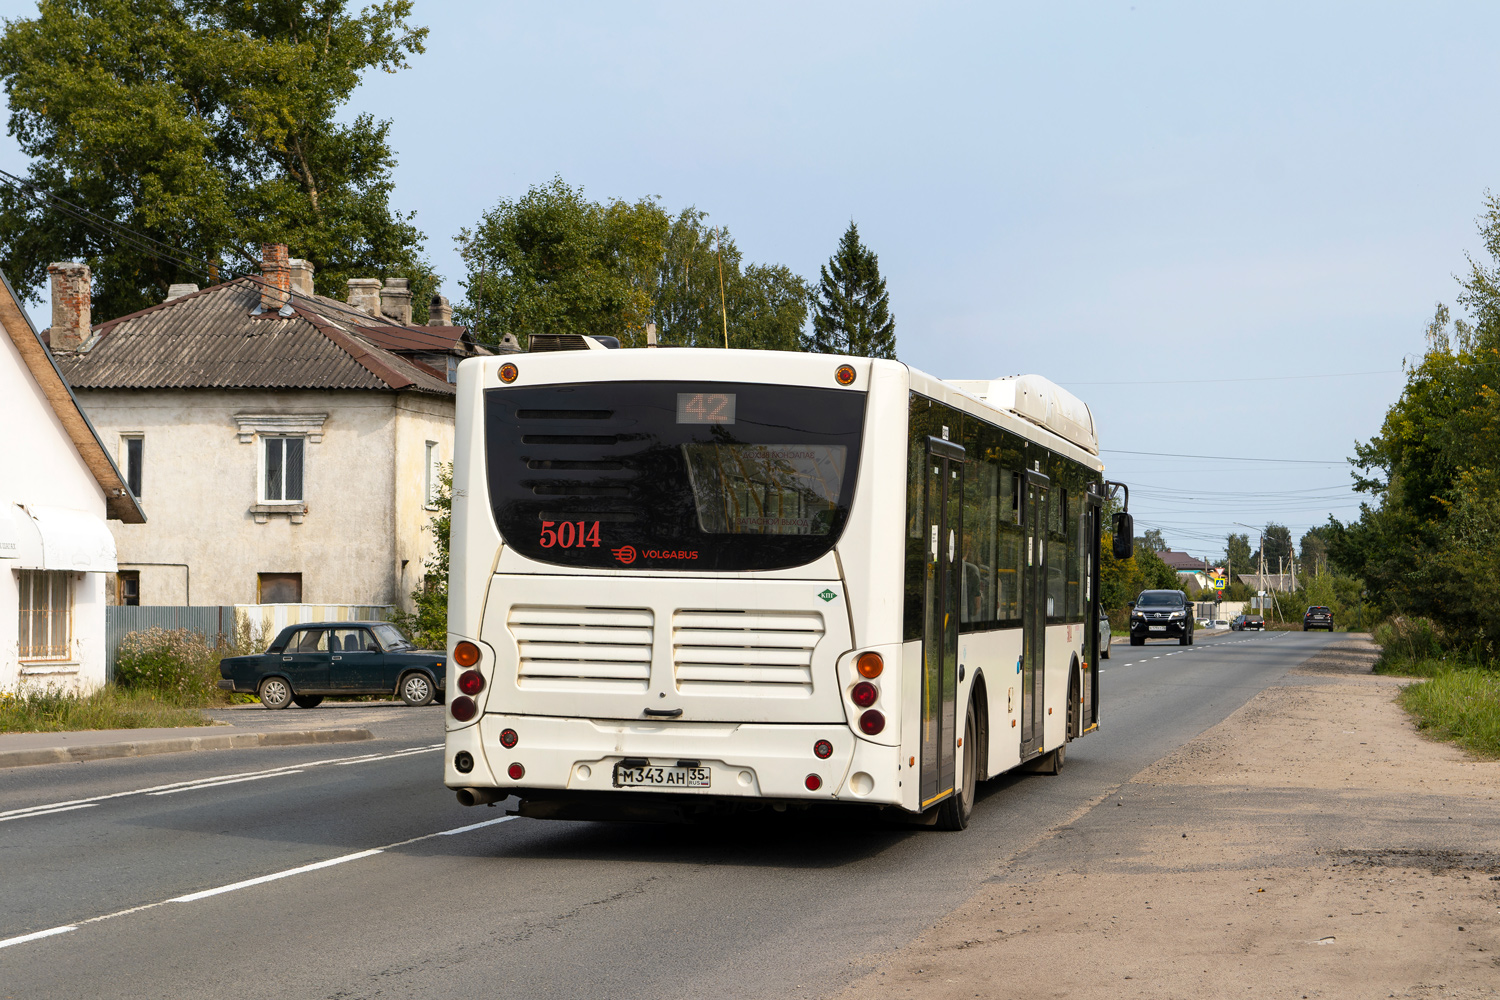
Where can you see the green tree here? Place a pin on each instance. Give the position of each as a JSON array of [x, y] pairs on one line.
[[207, 127], [1426, 543], [1277, 540], [555, 262], [1151, 541], [1314, 550], [851, 308], [1237, 550], [427, 623]]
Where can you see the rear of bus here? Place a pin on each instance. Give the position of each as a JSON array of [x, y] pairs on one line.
[[668, 568]]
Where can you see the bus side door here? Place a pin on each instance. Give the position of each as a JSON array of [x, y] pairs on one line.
[[943, 505], [1034, 613]]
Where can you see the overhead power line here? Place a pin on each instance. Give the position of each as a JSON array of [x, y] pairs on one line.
[[1227, 458]]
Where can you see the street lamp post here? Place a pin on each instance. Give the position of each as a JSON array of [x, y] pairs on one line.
[[1260, 573]]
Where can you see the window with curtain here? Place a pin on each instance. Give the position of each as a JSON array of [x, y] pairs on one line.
[[46, 626], [282, 480]]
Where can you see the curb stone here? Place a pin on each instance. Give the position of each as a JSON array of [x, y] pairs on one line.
[[143, 748]]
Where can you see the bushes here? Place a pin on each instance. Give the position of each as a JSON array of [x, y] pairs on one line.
[[1409, 640], [1460, 706], [175, 664]]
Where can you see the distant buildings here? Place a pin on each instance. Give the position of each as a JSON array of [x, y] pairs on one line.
[[59, 492]]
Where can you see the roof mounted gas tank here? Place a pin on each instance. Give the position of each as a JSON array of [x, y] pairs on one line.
[[1042, 402]]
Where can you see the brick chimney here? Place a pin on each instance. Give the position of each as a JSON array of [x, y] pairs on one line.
[[276, 273], [395, 301], [439, 312], [364, 295], [72, 305], [302, 275]]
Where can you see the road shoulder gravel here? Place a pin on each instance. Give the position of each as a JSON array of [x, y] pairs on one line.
[[1312, 844]]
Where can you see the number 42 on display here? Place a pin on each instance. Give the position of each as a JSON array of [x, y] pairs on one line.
[[570, 534]]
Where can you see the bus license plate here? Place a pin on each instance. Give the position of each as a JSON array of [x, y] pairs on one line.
[[1157, 628], [661, 777]]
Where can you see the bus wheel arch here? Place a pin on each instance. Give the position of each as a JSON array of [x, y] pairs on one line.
[[979, 697], [1075, 700]]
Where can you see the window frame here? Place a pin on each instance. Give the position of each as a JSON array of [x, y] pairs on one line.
[[433, 458], [26, 650], [262, 487], [133, 469]]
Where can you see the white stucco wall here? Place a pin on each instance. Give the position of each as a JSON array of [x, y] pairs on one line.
[[202, 544], [42, 467], [419, 419]]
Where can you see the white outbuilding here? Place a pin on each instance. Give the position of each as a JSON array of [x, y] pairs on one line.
[[59, 488]]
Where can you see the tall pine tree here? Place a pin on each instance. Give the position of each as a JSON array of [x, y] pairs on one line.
[[851, 310]]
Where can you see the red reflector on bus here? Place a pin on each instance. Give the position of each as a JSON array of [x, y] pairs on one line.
[[471, 682], [823, 749], [813, 782], [864, 694], [871, 722], [463, 709], [516, 772]]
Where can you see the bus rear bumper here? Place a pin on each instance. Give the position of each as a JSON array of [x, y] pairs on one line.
[[745, 761]]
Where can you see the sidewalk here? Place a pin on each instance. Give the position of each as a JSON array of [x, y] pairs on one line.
[[1311, 845]]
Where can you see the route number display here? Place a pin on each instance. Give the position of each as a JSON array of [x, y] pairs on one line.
[[570, 534], [705, 407]]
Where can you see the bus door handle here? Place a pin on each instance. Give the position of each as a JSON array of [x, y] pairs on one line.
[[663, 713]]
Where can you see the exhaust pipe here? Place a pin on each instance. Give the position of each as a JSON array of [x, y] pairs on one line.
[[481, 796]]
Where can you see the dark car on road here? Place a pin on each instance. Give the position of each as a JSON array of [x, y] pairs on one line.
[[1317, 617], [1242, 622], [1161, 614], [311, 661]]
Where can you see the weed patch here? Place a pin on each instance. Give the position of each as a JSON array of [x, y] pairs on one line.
[[52, 711], [1459, 706]]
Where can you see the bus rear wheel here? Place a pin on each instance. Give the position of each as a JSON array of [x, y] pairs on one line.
[[954, 811]]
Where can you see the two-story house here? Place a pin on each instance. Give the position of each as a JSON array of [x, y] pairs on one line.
[[287, 444]]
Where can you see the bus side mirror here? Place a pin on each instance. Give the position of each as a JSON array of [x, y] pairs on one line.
[[1124, 526]]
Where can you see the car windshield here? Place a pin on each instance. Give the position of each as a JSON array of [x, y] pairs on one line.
[[1313, 611], [1160, 599], [390, 638]]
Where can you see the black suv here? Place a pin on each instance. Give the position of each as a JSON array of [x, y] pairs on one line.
[[1161, 614], [1317, 617]]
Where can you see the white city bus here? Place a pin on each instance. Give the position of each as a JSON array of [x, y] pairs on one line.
[[687, 581]]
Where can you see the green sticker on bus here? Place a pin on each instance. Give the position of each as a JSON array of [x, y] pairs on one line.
[[828, 595]]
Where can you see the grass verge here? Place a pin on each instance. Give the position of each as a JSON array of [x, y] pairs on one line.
[[52, 711], [1459, 706]]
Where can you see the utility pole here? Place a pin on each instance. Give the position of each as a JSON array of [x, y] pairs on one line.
[[1260, 576]]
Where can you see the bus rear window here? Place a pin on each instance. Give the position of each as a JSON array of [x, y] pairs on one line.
[[672, 475]]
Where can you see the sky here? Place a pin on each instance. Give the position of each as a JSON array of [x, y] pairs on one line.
[[1212, 223]]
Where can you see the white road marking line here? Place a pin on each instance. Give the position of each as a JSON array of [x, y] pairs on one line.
[[230, 781], [390, 756], [36, 935], [212, 780], [49, 812], [475, 826], [247, 883]]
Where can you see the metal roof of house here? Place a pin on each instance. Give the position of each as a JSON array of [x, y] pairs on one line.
[[1181, 560], [213, 340]]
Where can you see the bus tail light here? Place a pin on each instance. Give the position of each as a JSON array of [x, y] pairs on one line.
[[813, 782], [471, 682], [871, 722], [864, 694], [508, 738], [463, 709], [466, 654], [870, 665], [822, 749], [516, 771]]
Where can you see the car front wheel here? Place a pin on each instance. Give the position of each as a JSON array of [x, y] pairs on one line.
[[275, 692], [416, 690]]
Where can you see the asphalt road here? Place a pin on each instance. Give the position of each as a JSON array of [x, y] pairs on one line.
[[122, 878]]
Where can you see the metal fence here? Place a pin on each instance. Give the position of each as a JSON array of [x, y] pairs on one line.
[[209, 620]]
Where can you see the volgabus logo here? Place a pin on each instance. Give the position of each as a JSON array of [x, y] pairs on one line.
[[628, 554], [625, 553]]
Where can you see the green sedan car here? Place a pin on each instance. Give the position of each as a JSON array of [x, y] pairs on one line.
[[311, 661]]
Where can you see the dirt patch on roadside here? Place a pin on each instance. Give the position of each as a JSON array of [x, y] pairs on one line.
[[1312, 844]]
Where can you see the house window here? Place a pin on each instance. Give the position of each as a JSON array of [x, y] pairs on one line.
[[434, 474], [128, 587], [279, 588], [132, 449], [46, 628], [282, 474]]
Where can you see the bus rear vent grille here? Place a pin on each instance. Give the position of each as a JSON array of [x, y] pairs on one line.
[[583, 649], [764, 654]]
